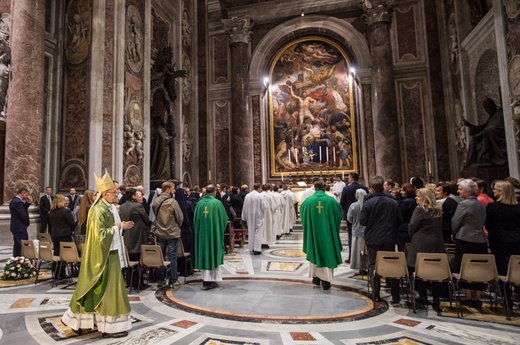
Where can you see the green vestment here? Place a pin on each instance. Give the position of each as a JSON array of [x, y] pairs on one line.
[[210, 224], [100, 288], [321, 218]]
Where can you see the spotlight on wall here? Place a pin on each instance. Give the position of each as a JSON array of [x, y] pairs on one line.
[[266, 81], [302, 13], [352, 70]]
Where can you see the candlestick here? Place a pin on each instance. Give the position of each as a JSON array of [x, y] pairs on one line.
[[289, 154], [327, 154], [282, 177], [342, 175], [209, 175], [334, 151], [429, 167], [320, 156]]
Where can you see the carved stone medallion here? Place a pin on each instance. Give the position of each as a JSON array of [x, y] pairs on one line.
[[514, 76], [512, 8], [135, 115]]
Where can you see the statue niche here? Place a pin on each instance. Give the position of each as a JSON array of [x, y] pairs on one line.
[[162, 148]]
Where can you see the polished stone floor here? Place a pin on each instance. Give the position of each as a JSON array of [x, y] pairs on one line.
[[263, 299]]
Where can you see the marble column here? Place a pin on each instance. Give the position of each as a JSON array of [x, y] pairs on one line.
[[242, 169], [384, 105], [24, 123]]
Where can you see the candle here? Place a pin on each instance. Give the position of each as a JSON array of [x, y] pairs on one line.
[[289, 153], [327, 154], [209, 175], [320, 156], [334, 151], [429, 167], [342, 175], [282, 177]]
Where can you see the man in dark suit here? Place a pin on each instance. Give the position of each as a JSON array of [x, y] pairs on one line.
[[348, 197], [73, 199], [19, 219], [45, 209]]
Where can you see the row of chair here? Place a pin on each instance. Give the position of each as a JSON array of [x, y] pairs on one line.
[[434, 267]]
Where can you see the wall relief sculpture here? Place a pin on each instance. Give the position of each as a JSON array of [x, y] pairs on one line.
[[186, 29], [5, 66], [133, 131], [512, 8], [187, 141], [134, 39], [164, 72], [186, 82], [78, 31], [453, 42]]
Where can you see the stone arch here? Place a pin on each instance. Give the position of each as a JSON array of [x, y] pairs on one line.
[[341, 31]]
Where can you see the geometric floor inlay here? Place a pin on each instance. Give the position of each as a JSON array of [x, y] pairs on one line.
[[272, 301]]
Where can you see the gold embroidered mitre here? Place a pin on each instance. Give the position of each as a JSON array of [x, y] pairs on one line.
[[105, 183]]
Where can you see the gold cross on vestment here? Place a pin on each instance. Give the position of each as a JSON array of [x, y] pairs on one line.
[[319, 207], [205, 212]]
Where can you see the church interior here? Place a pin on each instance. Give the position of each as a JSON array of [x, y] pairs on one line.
[[254, 91]]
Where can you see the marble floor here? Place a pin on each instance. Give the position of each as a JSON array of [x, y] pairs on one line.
[[263, 299]]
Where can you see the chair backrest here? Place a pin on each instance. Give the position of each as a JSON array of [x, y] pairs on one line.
[[45, 251], [28, 249], [391, 264], [478, 268], [152, 255], [180, 250], [69, 252], [44, 237], [80, 242], [432, 267], [513, 270]]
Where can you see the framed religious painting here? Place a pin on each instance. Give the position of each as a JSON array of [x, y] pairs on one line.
[[312, 110]]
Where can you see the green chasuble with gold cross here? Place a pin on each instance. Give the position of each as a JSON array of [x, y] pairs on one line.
[[321, 218], [210, 223]]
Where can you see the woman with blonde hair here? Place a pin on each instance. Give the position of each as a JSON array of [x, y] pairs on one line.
[[425, 230], [86, 201]]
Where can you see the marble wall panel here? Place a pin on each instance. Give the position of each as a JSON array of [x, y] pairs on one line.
[[108, 85], [76, 114], [369, 125], [412, 110], [202, 111], [220, 59], [257, 147], [437, 92], [405, 26], [222, 110]]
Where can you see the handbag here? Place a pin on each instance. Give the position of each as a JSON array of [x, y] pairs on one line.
[[156, 230]]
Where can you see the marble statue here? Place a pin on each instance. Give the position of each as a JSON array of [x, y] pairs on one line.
[[160, 168], [488, 145], [134, 44]]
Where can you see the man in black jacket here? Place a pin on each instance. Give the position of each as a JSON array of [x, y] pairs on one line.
[[45, 209], [380, 214]]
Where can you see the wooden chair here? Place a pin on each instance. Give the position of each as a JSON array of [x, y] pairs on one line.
[[478, 268], [45, 254], [229, 238], [29, 252], [240, 232], [187, 258], [432, 267], [70, 256], [511, 279], [153, 257], [390, 265], [80, 242], [133, 265]]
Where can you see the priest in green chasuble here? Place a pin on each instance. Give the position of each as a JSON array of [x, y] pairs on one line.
[[321, 218], [100, 299], [210, 224]]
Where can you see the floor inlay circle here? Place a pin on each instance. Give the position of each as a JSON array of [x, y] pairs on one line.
[[272, 301]]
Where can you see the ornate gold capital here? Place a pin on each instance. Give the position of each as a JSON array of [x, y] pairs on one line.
[[377, 10], [238, 29]]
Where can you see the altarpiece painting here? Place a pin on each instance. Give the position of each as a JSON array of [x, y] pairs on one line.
[[312, 110]]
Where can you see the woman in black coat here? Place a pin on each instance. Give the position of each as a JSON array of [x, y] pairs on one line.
[[503, 225], [425, 230], [62, 225]]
